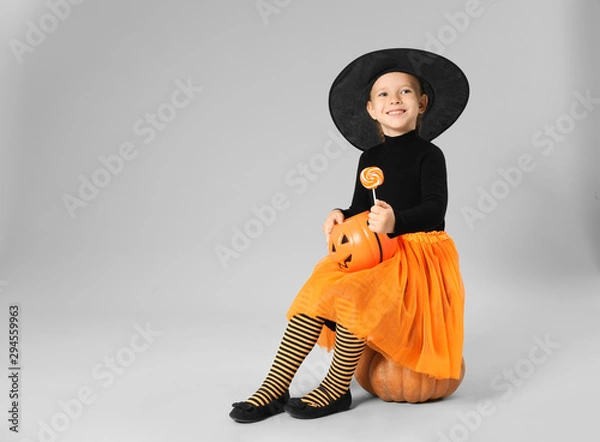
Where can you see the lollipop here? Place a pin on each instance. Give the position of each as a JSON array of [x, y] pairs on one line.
[[371, 178]]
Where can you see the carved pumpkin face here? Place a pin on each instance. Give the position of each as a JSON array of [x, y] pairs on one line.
[[353, 246]]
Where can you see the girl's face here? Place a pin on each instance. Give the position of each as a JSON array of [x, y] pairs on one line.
[[396, 100]]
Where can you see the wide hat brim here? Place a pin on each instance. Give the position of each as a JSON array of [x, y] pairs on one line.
[[444, 82]]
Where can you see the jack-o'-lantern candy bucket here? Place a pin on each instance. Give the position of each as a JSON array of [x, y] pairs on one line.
[[353, 246]]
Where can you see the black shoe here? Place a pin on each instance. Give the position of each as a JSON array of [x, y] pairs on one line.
[[246, 413], [301, 410]]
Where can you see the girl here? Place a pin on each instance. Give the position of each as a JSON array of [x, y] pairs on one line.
[[390, 103]]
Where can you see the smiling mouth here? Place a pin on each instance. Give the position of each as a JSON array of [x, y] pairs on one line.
[[396, 112]]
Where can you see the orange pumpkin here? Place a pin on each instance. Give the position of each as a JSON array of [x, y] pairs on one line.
[[353, 246], [395, 383]]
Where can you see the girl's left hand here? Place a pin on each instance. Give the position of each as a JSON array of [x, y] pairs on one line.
[[382, 218]]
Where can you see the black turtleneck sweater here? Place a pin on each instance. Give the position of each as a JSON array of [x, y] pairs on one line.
[[414, 183]]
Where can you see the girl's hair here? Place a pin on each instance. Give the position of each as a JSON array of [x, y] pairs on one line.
[[419, 118]]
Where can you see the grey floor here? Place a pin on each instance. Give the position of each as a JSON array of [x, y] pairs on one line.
[[515, 388], [181, 386]]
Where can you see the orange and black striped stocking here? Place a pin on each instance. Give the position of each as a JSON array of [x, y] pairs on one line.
[[346, 354], [299, 338]]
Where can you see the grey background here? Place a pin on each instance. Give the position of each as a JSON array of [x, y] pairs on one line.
[[143, 251]]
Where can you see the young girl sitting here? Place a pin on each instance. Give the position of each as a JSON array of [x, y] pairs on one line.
[[390, 104]]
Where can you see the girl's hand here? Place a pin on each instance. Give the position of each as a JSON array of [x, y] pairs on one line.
[[382, 218], [335, 217]]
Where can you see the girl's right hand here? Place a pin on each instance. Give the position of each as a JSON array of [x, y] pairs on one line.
[[335, 217]]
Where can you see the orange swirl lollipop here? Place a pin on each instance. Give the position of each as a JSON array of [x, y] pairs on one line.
[[371, 178]]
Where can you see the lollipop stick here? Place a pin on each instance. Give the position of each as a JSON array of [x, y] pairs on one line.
[[374, 196]]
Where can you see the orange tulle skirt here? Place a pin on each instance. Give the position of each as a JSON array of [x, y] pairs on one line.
[[409, 308]]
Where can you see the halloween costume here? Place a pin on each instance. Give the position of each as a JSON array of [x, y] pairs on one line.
[[410, 306]]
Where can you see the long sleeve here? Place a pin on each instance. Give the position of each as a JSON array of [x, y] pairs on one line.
[[362, 198], [415, 183], [431, 210]]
